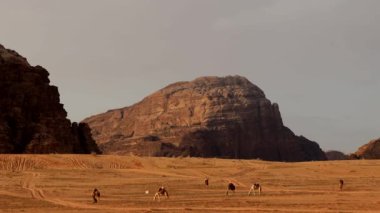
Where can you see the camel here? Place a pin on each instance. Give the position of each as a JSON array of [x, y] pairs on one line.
[[206, 181], [95, 195], [255, 187], [341, 183], [161, 192], [230, 187]]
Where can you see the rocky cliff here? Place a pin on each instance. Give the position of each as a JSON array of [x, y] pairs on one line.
[[370, 150], [32, 119], [209, 117]]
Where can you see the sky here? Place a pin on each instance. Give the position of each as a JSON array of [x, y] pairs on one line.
[[318, 59]]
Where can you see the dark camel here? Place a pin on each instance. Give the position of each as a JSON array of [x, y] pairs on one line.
[[230, 187], [95, 195], [206, 181], [341, 183]]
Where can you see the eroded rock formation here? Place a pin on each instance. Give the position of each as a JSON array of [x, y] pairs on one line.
[[32, 119], [208, 117], [370, 150]]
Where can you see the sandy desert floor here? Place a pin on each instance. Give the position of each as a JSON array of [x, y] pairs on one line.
[[64, 183]]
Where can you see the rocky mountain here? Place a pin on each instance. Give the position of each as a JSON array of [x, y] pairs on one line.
[[336, 155], [32, 119], [209, 117], [370, 150]]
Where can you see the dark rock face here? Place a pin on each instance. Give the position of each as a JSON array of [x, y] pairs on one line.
[[208, 117], [336, 155], [32, 120], [370, 150]]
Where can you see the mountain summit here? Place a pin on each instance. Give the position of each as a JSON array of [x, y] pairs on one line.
[[225, 117]]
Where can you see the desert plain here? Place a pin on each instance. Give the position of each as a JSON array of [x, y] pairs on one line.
[[64, 183]]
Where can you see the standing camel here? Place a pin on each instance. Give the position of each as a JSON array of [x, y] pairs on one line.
[[206, 181], [341, 183], [161, 192], [95, 195], [255, 187], [230, 187]]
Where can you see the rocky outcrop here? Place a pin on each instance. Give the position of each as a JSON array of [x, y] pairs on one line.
[[209, 117], [32, 119], [370, 150], [336, 155]]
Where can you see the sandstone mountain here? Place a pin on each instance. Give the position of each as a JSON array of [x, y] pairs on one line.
[[209, 117], [370, 150], [32, 120]]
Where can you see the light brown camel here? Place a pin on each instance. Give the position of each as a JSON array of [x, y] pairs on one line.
[[255, 187], [161, 192]]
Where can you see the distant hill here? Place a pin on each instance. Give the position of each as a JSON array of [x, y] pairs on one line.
[[336, 155], [32, 119], [225, 117]]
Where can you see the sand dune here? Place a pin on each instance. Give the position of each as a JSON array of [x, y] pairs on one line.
[[64, 183]]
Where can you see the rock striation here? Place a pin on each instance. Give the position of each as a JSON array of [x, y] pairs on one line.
[[225, 117], [32, 119], [370, 150]]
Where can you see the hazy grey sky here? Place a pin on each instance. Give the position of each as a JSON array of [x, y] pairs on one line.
[[319, 59]]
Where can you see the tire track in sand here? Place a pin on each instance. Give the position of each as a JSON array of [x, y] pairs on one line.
[[29, 183]]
